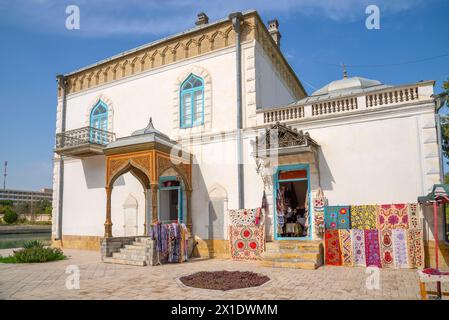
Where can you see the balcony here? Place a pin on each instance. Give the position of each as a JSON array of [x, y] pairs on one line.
[[83, 142]]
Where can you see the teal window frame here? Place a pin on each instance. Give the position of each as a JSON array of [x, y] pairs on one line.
[[180, 196], [95, 136], [191, 91]]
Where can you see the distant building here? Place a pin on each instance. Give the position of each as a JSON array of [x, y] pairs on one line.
[[26, 196]]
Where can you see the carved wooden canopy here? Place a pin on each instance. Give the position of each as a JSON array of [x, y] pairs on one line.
[[280, 136]]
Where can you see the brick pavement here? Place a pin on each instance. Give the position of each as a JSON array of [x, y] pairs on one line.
[[108, 281]]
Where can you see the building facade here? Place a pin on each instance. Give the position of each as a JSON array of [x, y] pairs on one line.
[[17, 196], [360, 141]]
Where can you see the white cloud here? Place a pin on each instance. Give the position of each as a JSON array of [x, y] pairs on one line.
[[136, 17]]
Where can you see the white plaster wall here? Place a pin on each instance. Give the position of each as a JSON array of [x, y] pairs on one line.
[[271, 89], [84, 210], [151, 94]]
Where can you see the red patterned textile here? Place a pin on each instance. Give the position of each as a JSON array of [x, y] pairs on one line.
[[333, 251], [247, 242]]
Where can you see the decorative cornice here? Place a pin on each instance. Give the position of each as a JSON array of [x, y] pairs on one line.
[[185, 46]]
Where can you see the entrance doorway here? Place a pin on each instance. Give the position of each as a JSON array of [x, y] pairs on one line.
[[170, 200], [292, 202]]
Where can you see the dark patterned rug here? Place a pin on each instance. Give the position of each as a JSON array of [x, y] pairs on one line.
[[224, 280]]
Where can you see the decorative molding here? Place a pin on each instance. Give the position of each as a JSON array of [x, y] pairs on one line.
[[188, 45]]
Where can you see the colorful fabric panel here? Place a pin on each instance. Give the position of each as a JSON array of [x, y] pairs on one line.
[[386, 248], [393, 216], [372, 249], [337, 217], [346, 247], [332, 252], [358, 247], [244, 217], [400, 248], [247, 242], [415, 247], [364, 217], [414, 219]]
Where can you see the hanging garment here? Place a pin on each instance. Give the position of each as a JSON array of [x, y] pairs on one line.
[[358, 247], [364, 217], [414, 219], [247, 242], [415, 246], [372, 250], [400, 248], [386, 248], [333, 252], [393, 216], [346, 247]]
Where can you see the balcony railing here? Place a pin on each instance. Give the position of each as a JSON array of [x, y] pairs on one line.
[[83, 141]]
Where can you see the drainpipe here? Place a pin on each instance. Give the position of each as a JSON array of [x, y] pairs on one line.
[[439, 99], [62, 83], [236, 18]]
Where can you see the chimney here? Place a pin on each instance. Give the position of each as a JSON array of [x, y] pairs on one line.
[[201, 19], [273, 29]]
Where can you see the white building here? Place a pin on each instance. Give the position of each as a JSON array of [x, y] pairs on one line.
[[366, 142]]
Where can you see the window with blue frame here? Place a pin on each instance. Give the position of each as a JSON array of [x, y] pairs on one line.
[[99, 123], [192, 102]]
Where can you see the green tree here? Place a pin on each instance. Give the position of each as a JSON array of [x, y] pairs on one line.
[[10, 215]]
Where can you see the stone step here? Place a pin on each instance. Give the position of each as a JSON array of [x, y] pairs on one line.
[[289, 263], [135, 247], [142, 251], [139, 244], [124, 261], [124, 256], [305, 255], [301, 245]]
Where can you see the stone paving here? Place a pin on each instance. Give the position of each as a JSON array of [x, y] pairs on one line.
[[109, 281]]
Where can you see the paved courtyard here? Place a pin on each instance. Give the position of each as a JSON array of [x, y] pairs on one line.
[[108, 281]]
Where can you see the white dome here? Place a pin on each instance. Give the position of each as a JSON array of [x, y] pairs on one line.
[[345, 84]]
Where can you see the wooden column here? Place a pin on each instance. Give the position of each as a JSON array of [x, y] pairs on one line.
[[154, 189], [108, 222], [189, 211]]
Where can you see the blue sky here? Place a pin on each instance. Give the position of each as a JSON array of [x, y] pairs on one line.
[[317, 36]]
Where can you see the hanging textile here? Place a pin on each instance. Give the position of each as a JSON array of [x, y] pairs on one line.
[[386, 248], [330, 217], [244, 217], [346, 247], [415, 248], [247, 242], [414, 219], [400, 248], [171, 241], [358, 247], [332, 244], [337, 217], [319, 202], [364, 217], [393, 216], [372, 250]]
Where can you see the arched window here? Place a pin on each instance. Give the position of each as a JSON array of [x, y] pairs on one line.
[[192, 102], [99, 123]]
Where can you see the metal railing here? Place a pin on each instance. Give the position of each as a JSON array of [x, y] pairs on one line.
[[83, 136]]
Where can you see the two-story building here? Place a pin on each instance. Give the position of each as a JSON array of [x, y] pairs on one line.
[[211, 93]]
